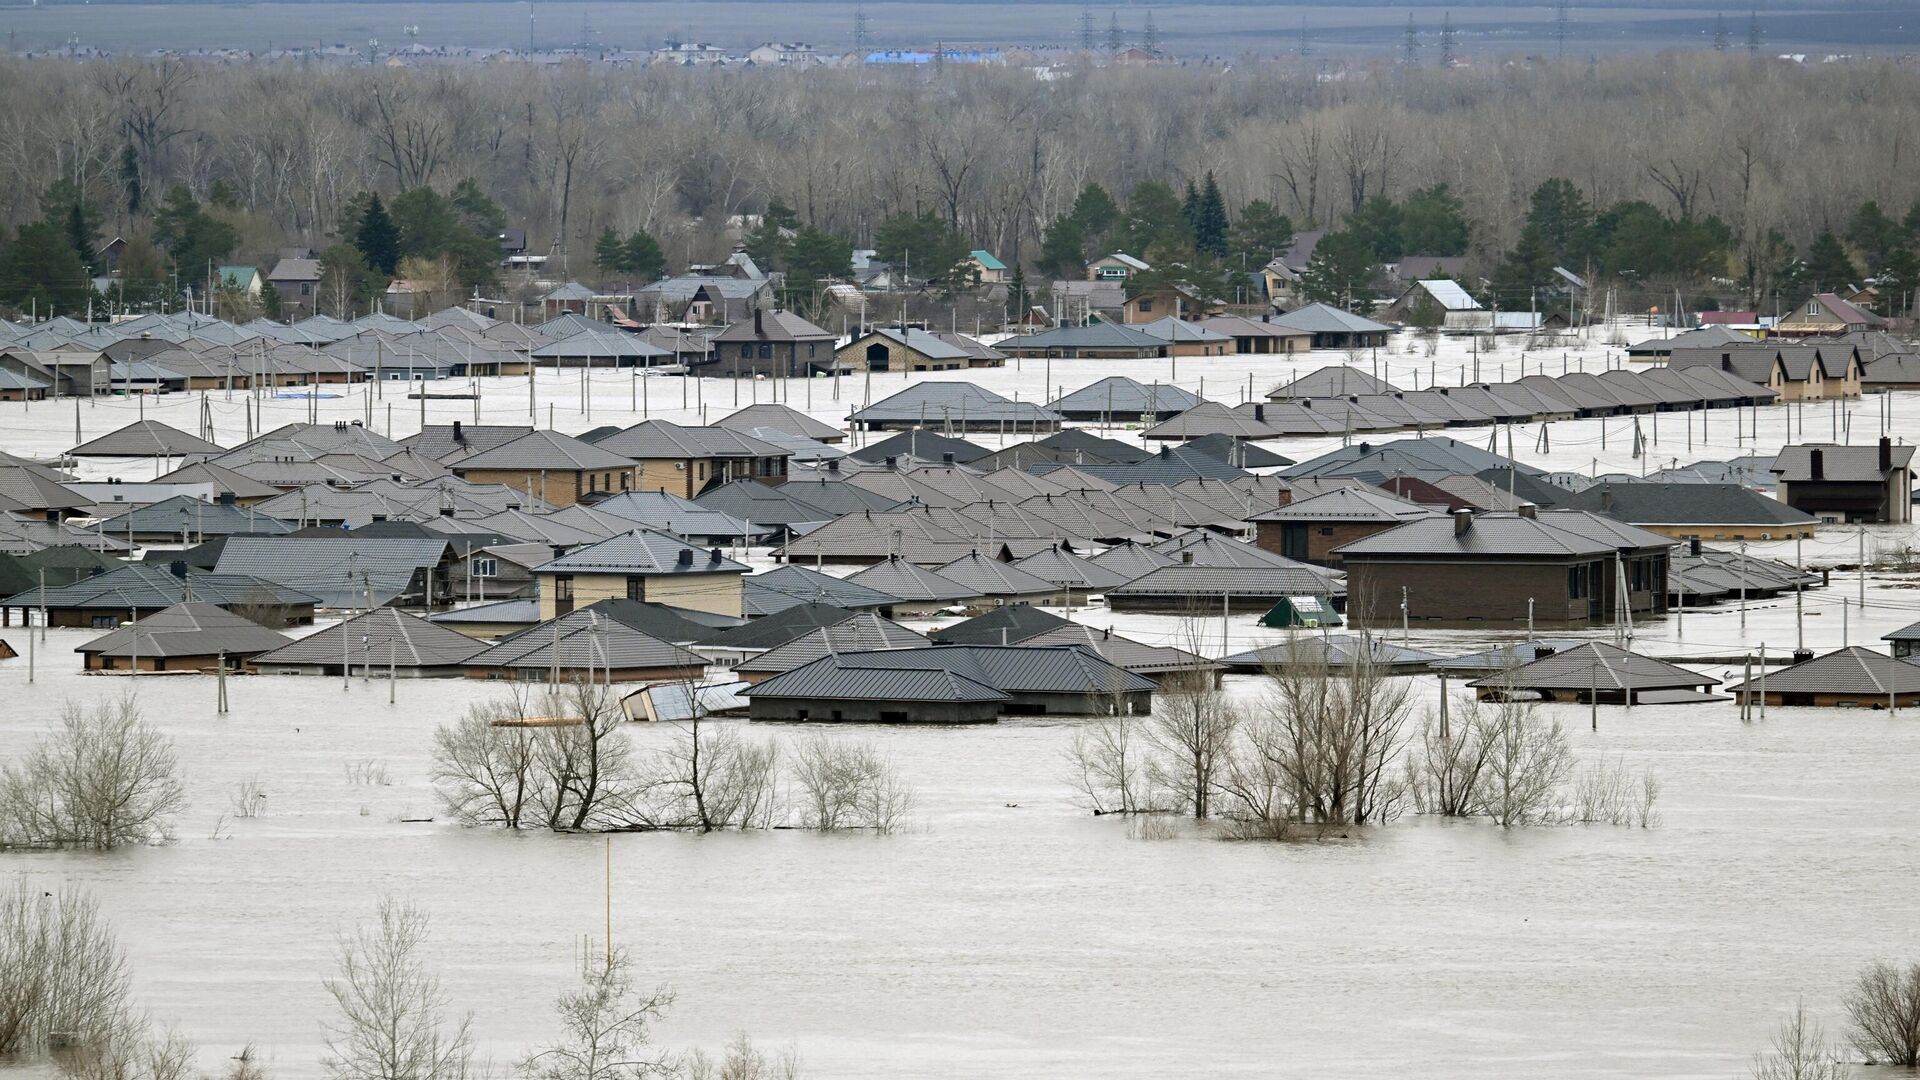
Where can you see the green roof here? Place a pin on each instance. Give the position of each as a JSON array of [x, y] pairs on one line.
[[987, 261], [237, 277]]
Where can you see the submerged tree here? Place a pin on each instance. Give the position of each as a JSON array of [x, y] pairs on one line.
[[103, 779], [392, 1022]]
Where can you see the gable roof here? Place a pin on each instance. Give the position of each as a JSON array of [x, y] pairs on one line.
[[991, 577], [1347, 504], [543, 450], [933, 401], [189, 628], [642, 551], [145, 438], [1552, 534], [1652, 503], [1596, 665], [1852, 670], [186, 514], [139, 586], [898, 577], [922, 444], [1327, 319], [772, 414], [584, 638], [1120, 394], [786, 586], [1007, 625], [375, 637], [863, 632], [775, 628], [665, 440], [1334, 380]]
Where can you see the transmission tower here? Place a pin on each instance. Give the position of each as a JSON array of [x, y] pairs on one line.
[[1306, 42], [861, 38], [1560, 27], [1115, 40], [1086, 28], [1410, 51], [1150, 34], [1449, 50], [1719, 33], [1753, 33]]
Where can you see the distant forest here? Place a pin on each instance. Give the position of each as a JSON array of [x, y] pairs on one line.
[[1716, 173]]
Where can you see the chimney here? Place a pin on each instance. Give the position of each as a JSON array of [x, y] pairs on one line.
[[1606, 498], [1886, 454], [1530, 512], [1544, 651], [446, 511], [1259, 412], [1462, 521], [558, 550], [1816, 464], [686, 556], [225, 498], [178, 568], [758, 329], [458, 435], [947, 458], [1306, 403], [892, 462], [1186, 558], [713, 557], [833, 466], [1693, 547], [1726, 361]]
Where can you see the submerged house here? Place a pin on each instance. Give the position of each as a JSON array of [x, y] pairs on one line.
[[952, 684], [190, 636]]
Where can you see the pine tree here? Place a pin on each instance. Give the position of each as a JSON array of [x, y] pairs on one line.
[[1210, 229], [1017, 294], [1340, 272], [130, 177], [1259, 235], [1190, 210], [41, 269], [1828, 267], [1525, 268], [269, 300], [377, 238], [1873, 234], [609, 254], [1900, 276], [643, 258]]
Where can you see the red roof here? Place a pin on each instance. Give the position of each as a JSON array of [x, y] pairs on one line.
[[1729, 318]]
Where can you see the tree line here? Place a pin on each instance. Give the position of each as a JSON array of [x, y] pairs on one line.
[[1751, 160]]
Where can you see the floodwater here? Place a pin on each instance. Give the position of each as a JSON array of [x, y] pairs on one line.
[[1007, 933]]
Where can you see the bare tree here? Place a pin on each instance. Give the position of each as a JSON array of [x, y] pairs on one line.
[[714, 779], [849, 785], [132, 1052], [1110, 767], [605, 1028], [1801, 1051], [1192, 730], [61, 970], [484, 766], [1884, 1013], [1526, 760], [742, 1061], [103, 779], [392, 1022], [1334, 734]]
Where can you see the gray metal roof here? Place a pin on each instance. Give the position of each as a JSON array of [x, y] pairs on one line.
[[1069, 571], [143, 587], [864, 632], [786, 586], [991, 577], [1347, 504], [921, 444], [642, 551], [782, 417], [1424, 458], [599, 343], [1678, 503], [1205, 582], [440, 441], [1551, 534], [1135, 656], [674, 515], [781, 326], [933, 402], [1852, 670], [776, 628], [837, 678], [1502, 657], [1013, 669], [909, 534], [750, 500], [1334, 380], [340, 570], [1334, 650], [184, 514], [1846, 464], [145, 438], [375, 638], [1326, 319], [1131, 560], [1208, 418], [898, 577], [194, 628], [664, 440], [581, 639], [1100, 335], [1596, 665], [1120, 394], [1010, 624], [544, 450]]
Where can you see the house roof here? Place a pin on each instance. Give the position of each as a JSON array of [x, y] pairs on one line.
[[1448, 294], [771, 414], [1706, 337], [920, 341], [1202, 583], [543, 450], [934, 401], [375, 637], [571, 290], [190, 628], [145, 438], [898, 577], [1060, 669], [1178, 331], [786, 586], [1347, 504], [1010, 624], [921, 444], [751, 500], [1123, 259], [1239, 453], [1068, 571], [441, 441], [585, 638], [642, 551], [1334, 650], [652, 440], [987, 260], [187, 514], [773, 326], [1334, 380], [1596, 665], [776, 628], [1327, 319], [676, 516], [1844, 464], [1120, 394], [1551, 534], [139, 586], [295, 270], [1099, 335], [600, 342], [863, 632], [1649, 503], [991, 577], [1209, 418], [837, 678], [1852, 670], [341, 570]]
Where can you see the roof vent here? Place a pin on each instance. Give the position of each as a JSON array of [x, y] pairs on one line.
[[1462, 521], [686, 556], [1529, 511], [1543, 651]]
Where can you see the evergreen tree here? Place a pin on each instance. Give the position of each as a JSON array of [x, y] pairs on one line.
[[1523, 270], [1377, 225], [376, 237], [766, 244], [347, 283], [1340, 272], [194, 238], [1433, 222], [40, 270], [923, 243], [1153, 214], [1828, 267], [1190, 210], [1017, 294], [1063, 248], [66, 204], [609, 253], [643, 258], [1900, 276], [1564, 219], [477, 210], [815, 254], [1259, 236], [269, 300], [1873, 234], [222, 195], [1210, 229], [433, 226]]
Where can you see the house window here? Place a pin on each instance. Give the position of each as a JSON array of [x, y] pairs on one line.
[[766, 352], [636, 587], [486, 568], [105, 622], [563, 586], [1576, 582], [1146, 306], [746, 352], [811, 345]]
